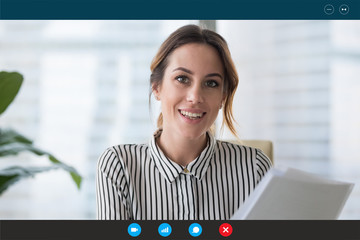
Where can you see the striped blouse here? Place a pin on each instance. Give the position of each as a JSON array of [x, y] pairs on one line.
[[138, 182]]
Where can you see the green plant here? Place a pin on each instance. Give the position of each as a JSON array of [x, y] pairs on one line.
[[12, 142]]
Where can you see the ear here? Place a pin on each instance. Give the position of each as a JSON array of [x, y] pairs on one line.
[[156, 91], [223, 98], [222, 101]]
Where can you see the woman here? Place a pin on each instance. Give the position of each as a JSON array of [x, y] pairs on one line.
[[184, 173]]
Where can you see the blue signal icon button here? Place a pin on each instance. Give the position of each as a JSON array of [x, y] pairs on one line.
[[164, 229]]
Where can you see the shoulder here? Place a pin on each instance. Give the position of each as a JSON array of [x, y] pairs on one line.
[[126, 149], [235, 152], [119, 155], [226, 145]]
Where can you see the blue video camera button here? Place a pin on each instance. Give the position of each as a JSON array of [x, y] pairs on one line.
[[134, 229]]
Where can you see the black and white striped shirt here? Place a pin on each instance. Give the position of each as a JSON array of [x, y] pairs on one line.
[[138, 182]]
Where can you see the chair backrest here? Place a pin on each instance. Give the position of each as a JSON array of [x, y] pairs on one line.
[[265, 145]]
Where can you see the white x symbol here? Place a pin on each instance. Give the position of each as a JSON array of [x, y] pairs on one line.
[[225, 229]]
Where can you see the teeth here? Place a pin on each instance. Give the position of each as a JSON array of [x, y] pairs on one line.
[[192, 115]]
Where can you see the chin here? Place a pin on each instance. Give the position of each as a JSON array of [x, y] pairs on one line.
[[192, 134]]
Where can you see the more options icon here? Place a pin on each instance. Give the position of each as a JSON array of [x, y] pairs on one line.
[[344, 9], [134, 229], [165, 229]]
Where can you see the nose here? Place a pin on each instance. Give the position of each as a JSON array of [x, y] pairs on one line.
[[195, 94]]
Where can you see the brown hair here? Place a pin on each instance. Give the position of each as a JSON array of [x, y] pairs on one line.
[[195, 34]]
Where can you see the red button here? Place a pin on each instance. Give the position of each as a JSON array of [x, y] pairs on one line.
[[225, 230]]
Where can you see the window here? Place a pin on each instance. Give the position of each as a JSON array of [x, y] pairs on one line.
[[299, 87], [86, 88]]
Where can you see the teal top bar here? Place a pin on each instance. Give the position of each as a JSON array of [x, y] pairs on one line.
[[176, 9]]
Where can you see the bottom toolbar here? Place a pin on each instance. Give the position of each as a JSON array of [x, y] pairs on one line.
[[176, 230]]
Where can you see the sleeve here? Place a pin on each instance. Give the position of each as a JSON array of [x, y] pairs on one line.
[[110, 188], [263, 164]]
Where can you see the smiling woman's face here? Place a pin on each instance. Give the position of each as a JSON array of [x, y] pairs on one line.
[[191, 92]]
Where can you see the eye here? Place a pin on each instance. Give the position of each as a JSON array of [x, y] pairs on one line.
[[212, 83], [182, 79]]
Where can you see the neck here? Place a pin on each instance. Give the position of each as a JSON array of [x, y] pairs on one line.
[[181, 150]]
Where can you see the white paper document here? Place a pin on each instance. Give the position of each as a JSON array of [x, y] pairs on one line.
[[292, 194]]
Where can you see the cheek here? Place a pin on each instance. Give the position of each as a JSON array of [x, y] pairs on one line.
[[216, 101], [169, 101], [172, 95]]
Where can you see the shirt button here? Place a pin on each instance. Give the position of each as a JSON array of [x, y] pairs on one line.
[[186, 170]]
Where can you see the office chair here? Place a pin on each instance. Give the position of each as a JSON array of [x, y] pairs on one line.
[[265, 145]]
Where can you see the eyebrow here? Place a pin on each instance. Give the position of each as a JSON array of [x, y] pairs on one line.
[[190, 72]]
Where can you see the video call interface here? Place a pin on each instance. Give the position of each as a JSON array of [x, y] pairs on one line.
[[83, 154]]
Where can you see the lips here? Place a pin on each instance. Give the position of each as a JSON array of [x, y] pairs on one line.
[[192, 114]]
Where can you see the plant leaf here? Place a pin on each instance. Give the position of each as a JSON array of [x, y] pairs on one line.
[[11, 175], [9, 136], [73, 173], [10, 83], [15, 147]]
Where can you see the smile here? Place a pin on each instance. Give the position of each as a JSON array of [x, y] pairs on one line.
[[191, 115]]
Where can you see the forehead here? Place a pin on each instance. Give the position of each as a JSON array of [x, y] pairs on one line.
[[195, 55]]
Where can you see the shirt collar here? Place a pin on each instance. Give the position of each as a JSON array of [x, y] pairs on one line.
[[171, 170]]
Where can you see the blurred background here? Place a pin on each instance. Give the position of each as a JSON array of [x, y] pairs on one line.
[[86, 87]]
